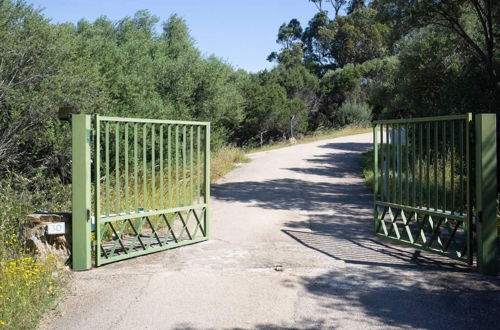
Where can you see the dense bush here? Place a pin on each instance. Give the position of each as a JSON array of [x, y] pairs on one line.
[[354, 113]]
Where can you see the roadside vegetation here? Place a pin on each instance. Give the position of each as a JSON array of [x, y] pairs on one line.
[[367, 162], [28, 286], [316, 136], [352, 62]]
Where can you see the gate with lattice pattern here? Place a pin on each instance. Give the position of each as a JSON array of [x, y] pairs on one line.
[[423, 183], [435, 185], [147, 183]]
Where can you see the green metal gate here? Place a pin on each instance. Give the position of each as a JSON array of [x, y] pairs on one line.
[[423, 183], [150, 183]]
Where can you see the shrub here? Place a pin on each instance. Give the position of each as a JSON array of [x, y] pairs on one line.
[[28, 286], [354, 113]]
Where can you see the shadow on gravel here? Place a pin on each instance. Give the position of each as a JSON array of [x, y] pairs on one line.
[[352, 147], [289, 194], [342, 164]]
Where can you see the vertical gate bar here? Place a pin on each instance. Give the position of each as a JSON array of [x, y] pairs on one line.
[[136, 175], [127, 208], [375, 172], [381, 160], [153, 174], [414, 166], [461, 140], [452, 123], [162, 180], [436, 152], [420, 162], [81, 195], [394, 164], [207, 180], [391, 165], [388, 164], [117, 168], [144, 169], [444, 166], [97, 189], [198, 163], [428, 190], [176, 182], [407, 163], [169, 167], [184, 164], [399, 152], [108, 184], [486, 192], [191, 146], [468, 122]]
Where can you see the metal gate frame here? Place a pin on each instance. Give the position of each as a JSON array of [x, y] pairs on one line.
[[167, 215], [404, 214], [416, 214]]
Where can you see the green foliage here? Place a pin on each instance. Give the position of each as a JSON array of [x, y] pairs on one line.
[[429, 79], [367, 162], [28, 286], [354, 113], [355, 38], [268, 110]]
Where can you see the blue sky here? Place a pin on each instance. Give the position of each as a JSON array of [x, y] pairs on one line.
[[241, 32]]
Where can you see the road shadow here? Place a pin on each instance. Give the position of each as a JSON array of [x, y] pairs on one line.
[[288, 194], [343, 161]]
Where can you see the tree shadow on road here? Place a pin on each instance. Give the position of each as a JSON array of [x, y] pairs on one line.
[[343, 164], [290, 194]]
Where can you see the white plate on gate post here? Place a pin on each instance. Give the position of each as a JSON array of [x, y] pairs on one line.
[[56, 228]]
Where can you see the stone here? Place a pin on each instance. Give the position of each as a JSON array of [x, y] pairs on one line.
[[37, 239]]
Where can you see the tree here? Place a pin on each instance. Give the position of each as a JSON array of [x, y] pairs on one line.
[[355, 5], [336, 4], [354, 38], [317, 55], [475, 22], [430, 77], [289, 38]]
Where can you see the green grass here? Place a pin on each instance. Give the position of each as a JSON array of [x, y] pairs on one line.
[[366, 162], [321, 135], [225, 160], [28, 285]]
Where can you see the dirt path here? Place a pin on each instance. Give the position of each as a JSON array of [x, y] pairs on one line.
[[291, 247]]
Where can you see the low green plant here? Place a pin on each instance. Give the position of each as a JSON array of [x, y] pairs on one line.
[[366, 162], [354, 113], [28, 285], [226, 159]]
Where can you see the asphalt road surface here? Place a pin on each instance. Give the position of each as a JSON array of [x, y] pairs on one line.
[[291, 247]]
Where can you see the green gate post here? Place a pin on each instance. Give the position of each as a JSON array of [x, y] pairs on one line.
[[375, 174], [207, 180], [80, 173], [486, 192]]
